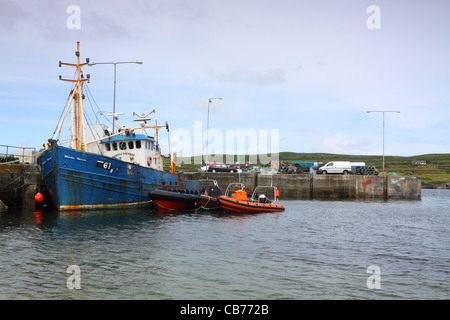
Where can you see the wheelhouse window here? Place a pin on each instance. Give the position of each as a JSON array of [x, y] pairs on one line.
[[138, 144], [114, 146], [130, 145], [108, 147], [122, 145]]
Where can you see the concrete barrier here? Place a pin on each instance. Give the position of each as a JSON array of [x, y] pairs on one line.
[[404, 187], [310, 186]]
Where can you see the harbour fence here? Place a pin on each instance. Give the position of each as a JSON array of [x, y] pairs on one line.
[[11, 154]]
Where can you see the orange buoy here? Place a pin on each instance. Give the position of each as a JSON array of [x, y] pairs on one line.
[[39, 197]]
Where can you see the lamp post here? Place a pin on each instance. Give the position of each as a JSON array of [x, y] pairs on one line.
[[114, 100], [207, 128], [369, 111]]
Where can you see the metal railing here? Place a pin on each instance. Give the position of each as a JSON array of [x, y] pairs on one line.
[[10, 154]]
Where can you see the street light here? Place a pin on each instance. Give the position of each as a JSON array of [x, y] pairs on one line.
[[207, 127], [114, 115], [369, 111]]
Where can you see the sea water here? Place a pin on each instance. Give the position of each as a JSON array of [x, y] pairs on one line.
[[315, 249]]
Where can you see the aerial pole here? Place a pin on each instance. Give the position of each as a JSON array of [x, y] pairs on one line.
[[78, 132]]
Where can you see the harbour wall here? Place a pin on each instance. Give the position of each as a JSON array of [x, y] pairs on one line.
[[19, 183], [312, 186]]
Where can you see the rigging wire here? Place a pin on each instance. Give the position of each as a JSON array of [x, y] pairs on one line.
[[65, 105], [92, 108], [168, 138], [94, 133], [88, 91]]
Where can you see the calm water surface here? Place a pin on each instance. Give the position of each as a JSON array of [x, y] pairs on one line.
[[313, 250]]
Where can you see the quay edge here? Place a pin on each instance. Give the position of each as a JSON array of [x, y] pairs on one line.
[[310, 186], [20, 182]]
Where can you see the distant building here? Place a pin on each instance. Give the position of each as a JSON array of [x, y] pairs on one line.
[[419, 162]]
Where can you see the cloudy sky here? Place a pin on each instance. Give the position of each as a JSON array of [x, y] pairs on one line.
[[306, 71]]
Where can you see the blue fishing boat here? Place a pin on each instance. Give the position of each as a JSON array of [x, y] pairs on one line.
[[110, 170]]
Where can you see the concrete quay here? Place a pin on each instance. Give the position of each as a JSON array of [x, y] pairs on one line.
[[312, 186], [19, 183]]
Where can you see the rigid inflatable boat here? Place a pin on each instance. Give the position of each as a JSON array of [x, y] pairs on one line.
[[239, 203], [173, 200]]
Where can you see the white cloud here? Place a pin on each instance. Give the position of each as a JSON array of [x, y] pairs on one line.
[[252, 77], [342, 143]]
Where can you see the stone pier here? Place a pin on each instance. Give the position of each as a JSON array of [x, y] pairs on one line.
[[19, 183], [312, 186]]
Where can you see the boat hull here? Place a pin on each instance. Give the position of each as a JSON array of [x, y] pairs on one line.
[[244, 206], [82, 180], [169, 200], [208, 202]]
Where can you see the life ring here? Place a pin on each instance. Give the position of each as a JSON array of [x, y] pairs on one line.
[[149, 161]]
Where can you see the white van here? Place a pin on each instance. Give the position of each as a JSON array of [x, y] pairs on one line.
[[340, 167]]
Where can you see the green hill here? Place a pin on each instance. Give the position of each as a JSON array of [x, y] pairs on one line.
[[436, 170]]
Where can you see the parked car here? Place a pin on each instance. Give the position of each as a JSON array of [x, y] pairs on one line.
[[220, 167]]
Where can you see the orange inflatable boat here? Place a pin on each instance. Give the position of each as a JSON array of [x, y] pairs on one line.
[[258, 203]]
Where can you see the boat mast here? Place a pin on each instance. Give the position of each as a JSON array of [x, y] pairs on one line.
[[75, 104]]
